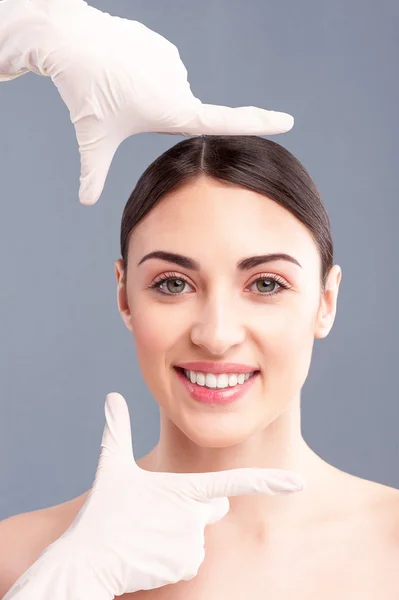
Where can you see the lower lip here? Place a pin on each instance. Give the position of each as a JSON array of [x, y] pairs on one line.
[[206, 395]]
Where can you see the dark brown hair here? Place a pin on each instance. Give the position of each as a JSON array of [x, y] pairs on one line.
[[249, 161]]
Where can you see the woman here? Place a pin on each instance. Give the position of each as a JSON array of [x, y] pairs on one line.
[[190, 287]]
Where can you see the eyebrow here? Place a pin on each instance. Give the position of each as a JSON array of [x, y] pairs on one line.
[[242, 265]]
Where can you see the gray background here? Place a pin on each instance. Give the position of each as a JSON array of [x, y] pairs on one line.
[[333, 65]]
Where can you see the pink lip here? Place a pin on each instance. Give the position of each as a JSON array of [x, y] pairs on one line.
[[217, 368], [216, 396]]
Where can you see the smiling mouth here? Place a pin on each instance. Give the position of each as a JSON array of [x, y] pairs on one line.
[[214, 396]]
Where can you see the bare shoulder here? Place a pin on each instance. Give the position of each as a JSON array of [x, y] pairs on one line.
[[23, 537], [382, 513]]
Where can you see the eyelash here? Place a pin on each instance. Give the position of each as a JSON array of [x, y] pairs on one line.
[[167, 276]]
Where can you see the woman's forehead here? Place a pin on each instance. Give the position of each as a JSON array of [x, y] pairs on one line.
[[225, 219]]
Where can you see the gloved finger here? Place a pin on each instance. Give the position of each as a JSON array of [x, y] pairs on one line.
[[117, 437], [236, 482], [243, 120], [96, 156]]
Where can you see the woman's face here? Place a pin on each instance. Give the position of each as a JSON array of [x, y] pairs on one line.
[[221, 313]]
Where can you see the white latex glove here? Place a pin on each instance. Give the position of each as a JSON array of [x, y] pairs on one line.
[[117, 78], [138, 530]]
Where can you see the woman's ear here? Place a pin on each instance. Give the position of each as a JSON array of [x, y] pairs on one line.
[[328, 305], [121, 294]]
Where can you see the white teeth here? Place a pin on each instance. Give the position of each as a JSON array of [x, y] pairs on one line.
[[211, 380]]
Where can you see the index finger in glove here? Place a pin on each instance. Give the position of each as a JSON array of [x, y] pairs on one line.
[[242, 481]]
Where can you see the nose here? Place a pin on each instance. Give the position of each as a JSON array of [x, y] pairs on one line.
[[219, 327]]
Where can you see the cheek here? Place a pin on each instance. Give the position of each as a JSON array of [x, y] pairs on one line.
[[287, 343], [155, 330], [157, 335]]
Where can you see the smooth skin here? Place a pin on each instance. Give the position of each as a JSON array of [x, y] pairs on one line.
[[338, 538]]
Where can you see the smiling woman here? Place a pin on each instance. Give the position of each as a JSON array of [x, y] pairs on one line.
[[226, 278]]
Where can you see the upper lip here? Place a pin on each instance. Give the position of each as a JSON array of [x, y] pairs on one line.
[[215, 367]]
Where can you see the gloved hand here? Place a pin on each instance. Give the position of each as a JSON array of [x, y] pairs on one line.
[[138, 530], [117, 78]]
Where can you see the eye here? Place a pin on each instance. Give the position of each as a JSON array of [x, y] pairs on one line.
[[267, 279], [166, 277]]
